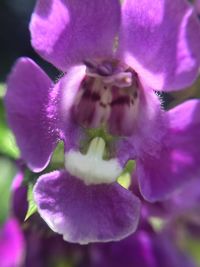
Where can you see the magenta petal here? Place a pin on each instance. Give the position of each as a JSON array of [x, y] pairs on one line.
[[11, 244], [66, 32], [28, 115], [177, 162], [161, 41], [84, 214]]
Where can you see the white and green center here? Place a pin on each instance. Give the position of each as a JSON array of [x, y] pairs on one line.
[[91, 167]]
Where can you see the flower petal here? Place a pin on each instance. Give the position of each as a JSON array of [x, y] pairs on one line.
[[137, 250], [65, 32], [161, 41], [70, 131], [185, 202], [29, 113], [149, 118], [11, 244], [197, 6], [144, 249], [177, 162], [19, 204], [168, 253], [84, 214]]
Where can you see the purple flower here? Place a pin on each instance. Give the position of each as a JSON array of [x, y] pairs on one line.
[[47, 249], [197, 6], [163, 48], [184, 204], [145, 249], [19, 204], [111, 210], [43, 248], [11, 244], [105, 111]]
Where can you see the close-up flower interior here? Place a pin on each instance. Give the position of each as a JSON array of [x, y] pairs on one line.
[[99, 133]]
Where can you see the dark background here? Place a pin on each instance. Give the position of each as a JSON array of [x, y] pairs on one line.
[[15, 37]]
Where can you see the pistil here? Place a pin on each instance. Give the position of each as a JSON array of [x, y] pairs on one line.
[[91, 167]]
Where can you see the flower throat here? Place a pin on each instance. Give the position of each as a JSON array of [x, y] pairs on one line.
[[108, 97]]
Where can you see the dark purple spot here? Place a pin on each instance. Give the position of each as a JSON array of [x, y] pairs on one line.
[[103, 105], [135, 95], [87, 83], [122, 100], [91, 95]]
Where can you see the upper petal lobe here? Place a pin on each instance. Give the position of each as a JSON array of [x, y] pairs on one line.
[[65, 32], [161, 41]]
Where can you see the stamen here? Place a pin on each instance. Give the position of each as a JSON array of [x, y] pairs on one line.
[[96, 148], [92, 168], [121, 80]]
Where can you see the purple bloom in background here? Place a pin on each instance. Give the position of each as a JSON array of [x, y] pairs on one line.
[[197, 6], [11, 244], [105, 110], [145, 249], [186, 202], [182, 207], [19, 204]]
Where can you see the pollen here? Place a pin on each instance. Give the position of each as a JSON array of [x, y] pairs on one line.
[[127, 80]]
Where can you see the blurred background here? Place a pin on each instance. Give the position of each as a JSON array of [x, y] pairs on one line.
[[15, 37]]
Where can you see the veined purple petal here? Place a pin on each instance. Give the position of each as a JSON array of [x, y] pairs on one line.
[[177, 161], [11, 244], [65, 32], [84, 214], [161, 41], [30, 113]]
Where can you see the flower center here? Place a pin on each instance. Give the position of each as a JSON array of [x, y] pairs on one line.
[[108, 97], [91, 167]]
